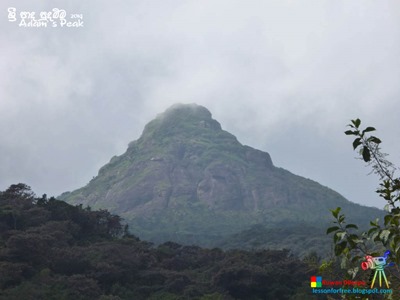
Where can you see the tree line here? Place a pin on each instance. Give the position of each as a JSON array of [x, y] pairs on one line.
[[52, 250]]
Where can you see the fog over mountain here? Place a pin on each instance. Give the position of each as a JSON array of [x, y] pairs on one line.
[[282, 76], [187, 180]]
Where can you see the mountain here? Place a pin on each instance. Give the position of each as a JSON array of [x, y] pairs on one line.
[[187, 180]]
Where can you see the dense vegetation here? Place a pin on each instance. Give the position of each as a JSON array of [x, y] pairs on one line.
[[52, 250], [301, 239]]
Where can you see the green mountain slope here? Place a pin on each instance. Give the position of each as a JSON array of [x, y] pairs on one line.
[[187, 180]]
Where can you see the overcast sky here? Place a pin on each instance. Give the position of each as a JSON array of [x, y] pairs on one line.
[[283, 76]]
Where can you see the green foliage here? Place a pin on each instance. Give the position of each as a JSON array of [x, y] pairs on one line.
[[350, 245], [299, 238], [70, 252]]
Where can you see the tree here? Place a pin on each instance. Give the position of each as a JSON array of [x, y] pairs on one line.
[[16, 198], [352, 246]]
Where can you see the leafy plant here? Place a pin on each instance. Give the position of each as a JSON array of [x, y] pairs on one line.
[[350, 245]]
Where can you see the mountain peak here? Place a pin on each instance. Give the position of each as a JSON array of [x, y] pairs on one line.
[[181, 120], [186, 176], [191, 109]]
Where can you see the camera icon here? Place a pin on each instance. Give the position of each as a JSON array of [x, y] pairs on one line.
[[378, 264], [373, 262]]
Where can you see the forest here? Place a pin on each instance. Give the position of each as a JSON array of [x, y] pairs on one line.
[[52, 250]]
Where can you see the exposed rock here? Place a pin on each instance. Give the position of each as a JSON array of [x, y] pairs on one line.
[[185, 174]]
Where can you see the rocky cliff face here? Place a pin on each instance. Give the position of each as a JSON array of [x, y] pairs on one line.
[[185, 176], [183, 153]]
